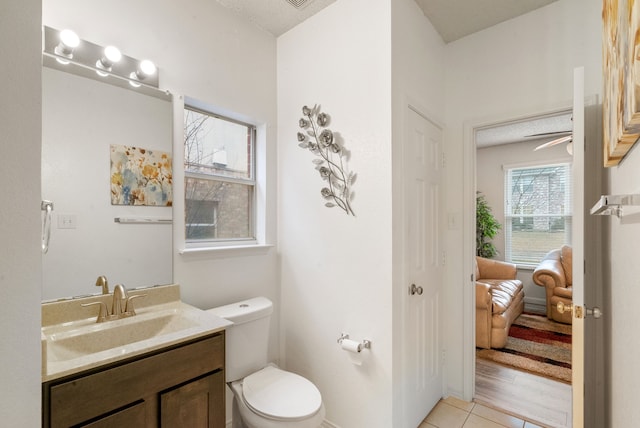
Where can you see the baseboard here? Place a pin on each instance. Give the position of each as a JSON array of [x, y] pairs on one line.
[[535, 305], [325, 424]]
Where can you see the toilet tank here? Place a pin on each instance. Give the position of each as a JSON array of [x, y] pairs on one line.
[[247, 340]]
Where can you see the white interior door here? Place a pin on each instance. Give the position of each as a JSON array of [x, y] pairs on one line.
[[422, 268], [577, 232]]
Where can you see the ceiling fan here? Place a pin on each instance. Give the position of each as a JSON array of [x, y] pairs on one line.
[[562, 137]]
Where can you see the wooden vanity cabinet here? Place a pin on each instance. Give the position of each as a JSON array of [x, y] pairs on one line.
[[181, 386]]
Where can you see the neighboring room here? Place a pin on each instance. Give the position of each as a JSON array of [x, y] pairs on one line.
[[523, 172]]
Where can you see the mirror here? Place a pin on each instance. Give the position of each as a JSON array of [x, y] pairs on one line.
[[81, 119]]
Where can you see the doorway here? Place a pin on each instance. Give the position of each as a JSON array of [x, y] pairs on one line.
[[536, 150], [593, 182]]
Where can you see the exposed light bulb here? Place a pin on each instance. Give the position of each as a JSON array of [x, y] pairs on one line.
[[110, 56], [146, 69], [69, 40]]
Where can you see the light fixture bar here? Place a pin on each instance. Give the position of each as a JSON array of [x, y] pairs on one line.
[[89, 55]]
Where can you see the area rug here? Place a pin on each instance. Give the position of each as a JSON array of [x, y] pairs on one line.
[[537, 345]]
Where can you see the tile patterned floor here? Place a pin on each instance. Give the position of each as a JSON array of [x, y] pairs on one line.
[[454, 413]]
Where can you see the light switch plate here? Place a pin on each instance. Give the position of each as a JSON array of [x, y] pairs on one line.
[[67, 221]]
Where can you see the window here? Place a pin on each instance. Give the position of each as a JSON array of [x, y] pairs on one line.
[[219, 161], [537, 211]]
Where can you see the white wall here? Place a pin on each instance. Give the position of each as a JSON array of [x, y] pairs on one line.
[[520, 67], [623, 290], [490, 181], [20, 269], [336, 269]]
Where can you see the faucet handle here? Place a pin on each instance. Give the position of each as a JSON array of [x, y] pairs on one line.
[[103, 313], [128, 308]]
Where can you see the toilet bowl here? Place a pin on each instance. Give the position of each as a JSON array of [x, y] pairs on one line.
[[264, 396], [272, 398]]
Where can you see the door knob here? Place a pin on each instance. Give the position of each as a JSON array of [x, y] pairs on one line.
[[595, 312], [562, 307], [578, 313], [413, 290]]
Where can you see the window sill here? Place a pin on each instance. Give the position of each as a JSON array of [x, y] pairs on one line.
[[228, 251]]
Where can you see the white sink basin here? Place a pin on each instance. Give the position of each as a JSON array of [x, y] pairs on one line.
[[72, 346]]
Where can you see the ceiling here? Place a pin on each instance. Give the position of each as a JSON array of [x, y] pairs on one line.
[[453, 19], [541, 129], [276, 16]]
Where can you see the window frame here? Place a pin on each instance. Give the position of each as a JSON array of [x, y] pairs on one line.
[[197, 245], [567, 215]]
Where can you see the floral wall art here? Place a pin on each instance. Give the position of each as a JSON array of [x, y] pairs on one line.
[[331, 158], [140, 176]]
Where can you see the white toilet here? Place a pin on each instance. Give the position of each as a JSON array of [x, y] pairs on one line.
[[264, 396]]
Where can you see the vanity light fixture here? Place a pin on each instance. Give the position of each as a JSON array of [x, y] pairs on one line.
[[145, 69], [111, 55], [69, 40], [65, 51]]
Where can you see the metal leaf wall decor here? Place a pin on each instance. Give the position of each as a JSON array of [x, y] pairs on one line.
[[331, 158]]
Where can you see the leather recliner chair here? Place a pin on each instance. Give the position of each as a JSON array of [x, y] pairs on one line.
[[554, 274], [499, 301]]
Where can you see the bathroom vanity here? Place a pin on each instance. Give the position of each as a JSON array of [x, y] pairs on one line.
[[163, 367], [180, 386]]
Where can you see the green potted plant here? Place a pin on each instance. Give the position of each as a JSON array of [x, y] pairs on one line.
[[487, 228]]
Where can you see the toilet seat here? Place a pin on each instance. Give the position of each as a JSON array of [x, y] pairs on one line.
[[280, 395]]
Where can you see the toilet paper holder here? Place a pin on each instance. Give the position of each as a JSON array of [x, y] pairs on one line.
[[366, 344]]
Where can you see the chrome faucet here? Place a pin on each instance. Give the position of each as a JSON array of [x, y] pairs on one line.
[[102, 282], [121, 305]]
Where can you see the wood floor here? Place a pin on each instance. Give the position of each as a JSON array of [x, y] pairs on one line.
[[544, 401]]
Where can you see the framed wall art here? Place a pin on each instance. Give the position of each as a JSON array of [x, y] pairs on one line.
[[621, 73], [140, 176]]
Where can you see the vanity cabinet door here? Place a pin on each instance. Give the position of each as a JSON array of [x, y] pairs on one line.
[[134, 416], [197, 404], [141, 383]]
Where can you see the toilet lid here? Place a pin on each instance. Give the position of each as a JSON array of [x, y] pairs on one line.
[[278, 394]]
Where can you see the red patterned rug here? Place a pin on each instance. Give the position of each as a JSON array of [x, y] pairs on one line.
[[537, 345]]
